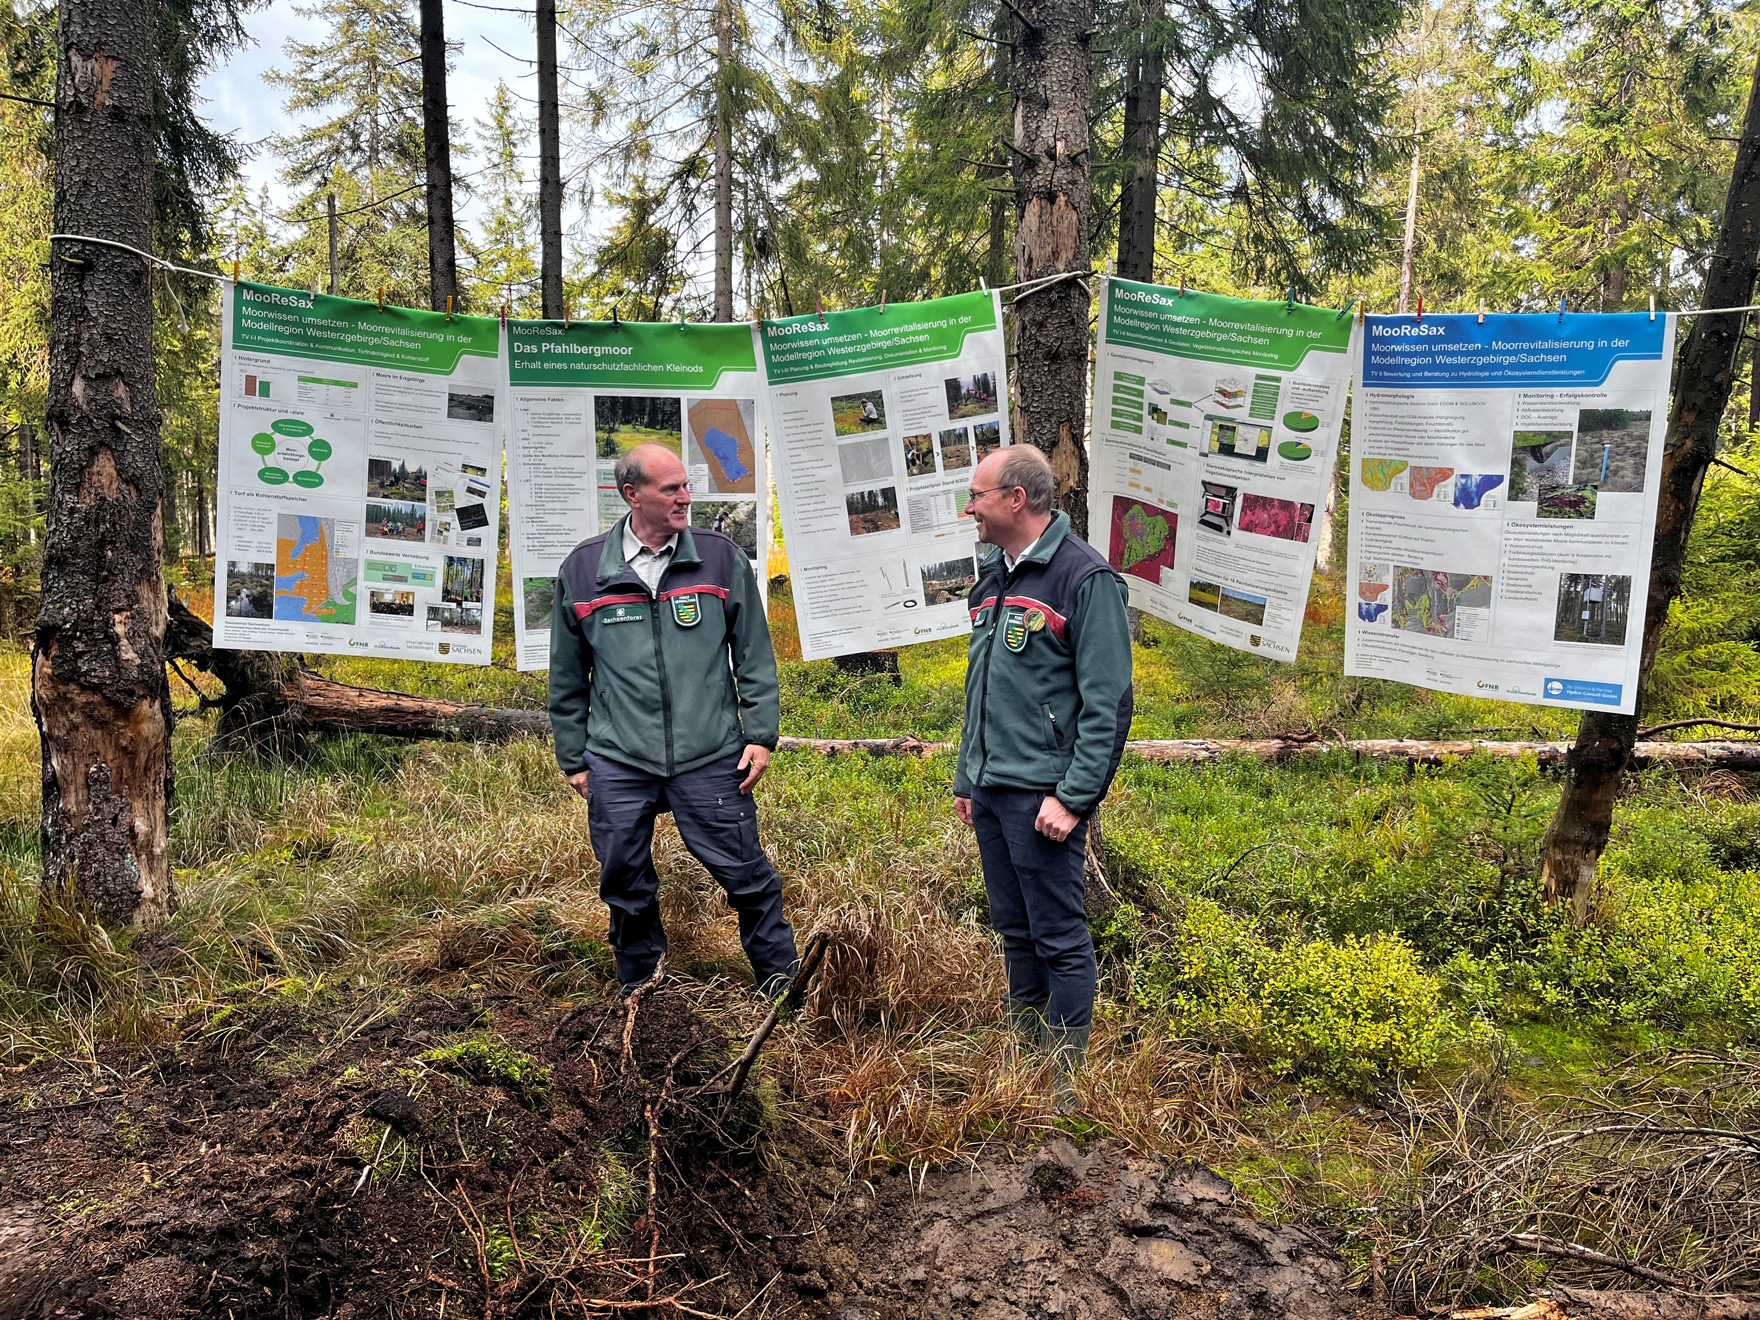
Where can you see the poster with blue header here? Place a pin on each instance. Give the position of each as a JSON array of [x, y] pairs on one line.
[[1503, 503]]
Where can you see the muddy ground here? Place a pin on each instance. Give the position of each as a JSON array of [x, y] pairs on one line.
[[479, 1154]]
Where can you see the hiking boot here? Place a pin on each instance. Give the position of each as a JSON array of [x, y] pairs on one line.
[[1068, 1048]]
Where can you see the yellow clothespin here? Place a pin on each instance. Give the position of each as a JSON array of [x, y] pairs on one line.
[[449, 307], [235, 270], [381, 297], [1362, 311]]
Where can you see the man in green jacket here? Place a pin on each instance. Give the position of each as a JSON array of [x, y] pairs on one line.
[[1048, 707], [663, 697]]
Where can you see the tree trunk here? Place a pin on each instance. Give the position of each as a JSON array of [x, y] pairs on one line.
[[437, 148], [723, 161], [1052, 82], [1405, 264], [1703, 383], [98, 680], [1142, 155], [549, 165]]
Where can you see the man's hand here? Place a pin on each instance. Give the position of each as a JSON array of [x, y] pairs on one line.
[[962, 807], [758, 758], [578, 782], [1055, 820]]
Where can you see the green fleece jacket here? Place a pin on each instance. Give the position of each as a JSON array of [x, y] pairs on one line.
[[667, 680]]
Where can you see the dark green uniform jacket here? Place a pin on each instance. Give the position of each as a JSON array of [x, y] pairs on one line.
[[665, 681], [1048, 682]]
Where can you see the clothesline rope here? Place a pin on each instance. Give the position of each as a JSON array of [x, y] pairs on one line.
[[1001, 288]]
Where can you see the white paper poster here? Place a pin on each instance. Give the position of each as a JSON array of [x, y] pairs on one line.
[[1503, 503], [586, 393], [1216, 423], [360, 477], [877, 418]]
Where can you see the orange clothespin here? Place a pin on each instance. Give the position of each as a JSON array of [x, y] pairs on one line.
[[449, 307]]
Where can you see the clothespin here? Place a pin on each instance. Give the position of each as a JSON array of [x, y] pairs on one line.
[[681, 318], [449, 307], [820, 304], [883, 302], [1420, 309], [1182, 284], [1561, 305], [983, 284], [1289, 301], [1345, 310], [1481, 311], [1362, 311], [1652, 306], [565, 313], [503, 316], [235, 270], [615, 323], [381, 297]]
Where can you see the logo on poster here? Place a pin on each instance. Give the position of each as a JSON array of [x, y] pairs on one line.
[[1492, 687]]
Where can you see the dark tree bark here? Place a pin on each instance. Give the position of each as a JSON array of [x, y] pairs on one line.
[[437, 149], [549, 165], [98, 682], [1704, 380], [723, 161], [1053, 77], [1142, 155]]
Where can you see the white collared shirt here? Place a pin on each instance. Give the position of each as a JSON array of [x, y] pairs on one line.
[[1008, 563], [648, 563]]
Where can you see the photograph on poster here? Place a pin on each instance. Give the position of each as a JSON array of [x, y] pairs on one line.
[[250, 589], [1227, 601], [1217, 515], [872, 511], [971, 396], [621, 422], [1613, 446], [919, 455], [1577, 502], [394, 479], [455, 618], [1539, 464], [988, 437], [466, 407], [855, 414], [865, 460], [390, 603], [540, 600], [949, 580], [461, 581], [397, 520], [956, 449], [735, 519], [1593, 608], [1287, 520]]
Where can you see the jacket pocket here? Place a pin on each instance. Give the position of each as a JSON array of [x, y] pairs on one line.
[[1053, 738]]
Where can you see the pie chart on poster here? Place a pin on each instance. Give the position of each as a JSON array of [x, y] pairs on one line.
[[1301, 421], [1295, 450]]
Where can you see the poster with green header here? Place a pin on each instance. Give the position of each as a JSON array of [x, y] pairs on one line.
[[1215, 433], [585, 393], [360, 477], [877, 418]]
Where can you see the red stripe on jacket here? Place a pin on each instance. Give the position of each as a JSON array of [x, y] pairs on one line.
[[705, 588], [582, 609], [1057, 621], [983, 605]]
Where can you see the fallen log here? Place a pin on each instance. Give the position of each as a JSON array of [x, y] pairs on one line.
[[1560, 1303], [271, 700]]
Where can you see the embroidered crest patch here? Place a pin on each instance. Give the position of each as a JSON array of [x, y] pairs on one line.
[[1014, 629], [687, 610], [624, 613]]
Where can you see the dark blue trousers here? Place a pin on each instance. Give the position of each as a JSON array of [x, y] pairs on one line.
[[1037, 892], [719, 825]]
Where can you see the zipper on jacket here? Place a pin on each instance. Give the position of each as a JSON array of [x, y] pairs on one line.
[[984, 682], [660, 664], [1053, 743]]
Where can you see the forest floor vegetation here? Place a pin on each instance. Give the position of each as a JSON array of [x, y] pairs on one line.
[[1334, 982]]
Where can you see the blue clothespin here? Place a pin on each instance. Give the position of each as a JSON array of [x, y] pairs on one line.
[[1561, 304]]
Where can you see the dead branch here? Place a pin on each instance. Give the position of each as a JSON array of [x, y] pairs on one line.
[[1548, 1246], [629, 1007], [797, 992]]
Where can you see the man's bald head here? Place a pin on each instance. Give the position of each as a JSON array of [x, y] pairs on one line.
[[648, 465]]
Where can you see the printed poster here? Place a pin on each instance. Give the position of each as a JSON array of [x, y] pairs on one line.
[[360, 477], [585, 394], [1503, 503], [1216, 424], [878, 418]]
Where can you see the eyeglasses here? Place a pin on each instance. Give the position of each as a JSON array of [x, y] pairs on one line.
[[972, 492]]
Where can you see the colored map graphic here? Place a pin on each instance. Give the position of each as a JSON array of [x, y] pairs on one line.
[[1142, 538], [1430, 602], [721, 440], [1470, 488], [313, 583], [1378, 473], [1425, 480]]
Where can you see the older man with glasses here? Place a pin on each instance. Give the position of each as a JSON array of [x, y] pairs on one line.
[[1048, 707], [663, 697]]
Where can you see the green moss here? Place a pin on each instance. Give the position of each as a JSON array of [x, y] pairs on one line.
[[491, 1060]]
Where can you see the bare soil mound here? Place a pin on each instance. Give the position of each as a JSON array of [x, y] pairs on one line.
[[507, 1156]]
